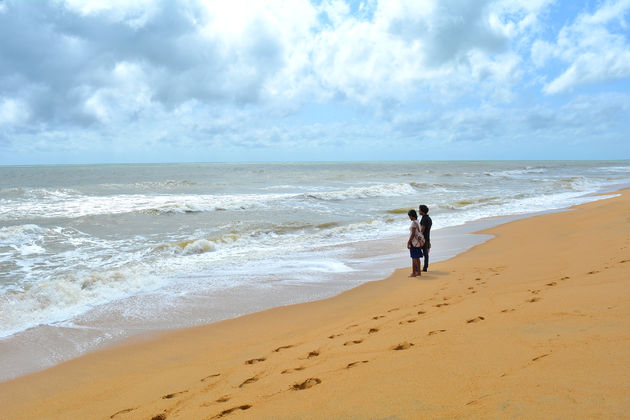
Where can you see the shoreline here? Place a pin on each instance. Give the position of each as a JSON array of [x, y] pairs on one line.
[[70, 340], [66, 337], [76, 311], [174, 362]]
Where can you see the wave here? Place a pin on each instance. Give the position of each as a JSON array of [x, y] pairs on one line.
[[12, 234], [38, 193], [398, 211], [474, 202], [621, 169], [272, 233], [573, 183], [63, 297], [511, 172], [381, 190], [192, 246], [150, 185], [82, 205]]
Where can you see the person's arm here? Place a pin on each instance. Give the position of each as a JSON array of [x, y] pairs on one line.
[[411, 235]]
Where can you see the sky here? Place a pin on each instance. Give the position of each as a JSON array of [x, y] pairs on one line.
[[117, 81]]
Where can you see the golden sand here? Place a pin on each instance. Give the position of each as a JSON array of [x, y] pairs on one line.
[[535, 323]]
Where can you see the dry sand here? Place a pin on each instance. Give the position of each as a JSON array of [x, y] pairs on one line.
[[534, 323]]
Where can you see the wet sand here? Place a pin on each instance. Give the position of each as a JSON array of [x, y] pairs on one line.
[[534, 323]]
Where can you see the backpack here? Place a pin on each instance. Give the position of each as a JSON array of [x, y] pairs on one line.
[[419, 235]]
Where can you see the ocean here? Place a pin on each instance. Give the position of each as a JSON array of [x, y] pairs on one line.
[[91, 254]]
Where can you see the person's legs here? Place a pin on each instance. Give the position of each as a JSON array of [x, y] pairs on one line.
[[415, 267], [425, 251]]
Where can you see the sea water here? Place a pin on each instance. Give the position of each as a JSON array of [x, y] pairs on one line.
[[90, 254]]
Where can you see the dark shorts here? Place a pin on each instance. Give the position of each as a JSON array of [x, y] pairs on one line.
[[416, 252]]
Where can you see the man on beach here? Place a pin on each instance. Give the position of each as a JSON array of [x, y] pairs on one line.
[[425, 228]]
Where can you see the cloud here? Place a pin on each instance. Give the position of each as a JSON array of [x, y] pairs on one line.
[[595, 47], [210, 74], [67, 67], [12, 111], [583, 120]]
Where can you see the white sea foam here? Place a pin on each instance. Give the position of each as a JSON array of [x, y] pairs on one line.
[[383, 190], [516, 172], [81, 205]]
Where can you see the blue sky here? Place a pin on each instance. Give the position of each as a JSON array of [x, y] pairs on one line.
[[194, 80]]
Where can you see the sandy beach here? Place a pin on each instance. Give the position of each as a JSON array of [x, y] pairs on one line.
[[534, 323]]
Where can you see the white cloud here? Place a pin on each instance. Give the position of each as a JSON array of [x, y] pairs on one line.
[[409, 47], [13, 111], [278, 53], [134, 13], [595, 47], [240, 74], [589, 119]]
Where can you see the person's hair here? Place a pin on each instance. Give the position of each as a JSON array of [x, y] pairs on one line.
[[412, 213], [424, 209]]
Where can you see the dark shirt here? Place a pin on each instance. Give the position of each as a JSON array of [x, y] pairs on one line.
[[426, 222]]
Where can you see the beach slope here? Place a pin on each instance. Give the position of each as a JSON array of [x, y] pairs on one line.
[[534, 323]]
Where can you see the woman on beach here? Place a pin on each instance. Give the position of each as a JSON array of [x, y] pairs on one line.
[[414, 245]]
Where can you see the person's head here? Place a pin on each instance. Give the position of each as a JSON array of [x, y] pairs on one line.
[[423, 209], [412, 214]]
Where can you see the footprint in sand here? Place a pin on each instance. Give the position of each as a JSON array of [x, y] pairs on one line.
[[351, 326], [314, 353], [126, 410], [254, 361], [349, 343], [553, 283], [535, 292], [249, 381], [378, 317], [593, 272], [231, 410], [394, 309], [334, 335], [161, 416], [436, 332], [439, 305], [173, 395], [309, 383], [624, 261], [532, 300], [508, 310], [409, 321], [373, 330], [539, 357], [479, 318], [284, 372], [422, 312], [402, 346], [565, 278], [210, 377], [353, 364], [223, 399], [283, 348]]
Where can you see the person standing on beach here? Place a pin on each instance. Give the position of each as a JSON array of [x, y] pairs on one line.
[[425, 228], [414, 246]]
